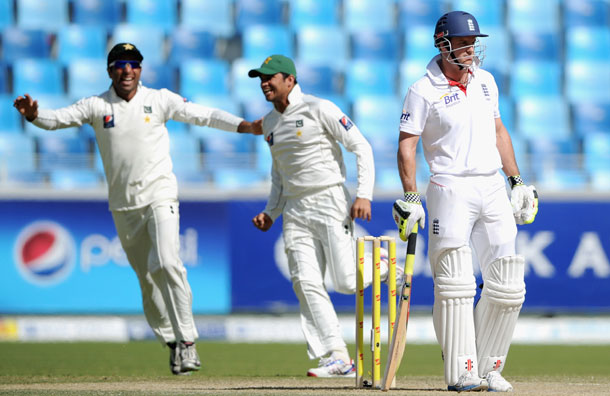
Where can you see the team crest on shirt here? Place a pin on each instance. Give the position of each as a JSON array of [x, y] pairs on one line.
[[346, 122], [109, 121], [148, 109], [269, 139], [299, 123]]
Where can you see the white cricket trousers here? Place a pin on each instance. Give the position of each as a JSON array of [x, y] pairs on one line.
[[151, 239], [319, 237]]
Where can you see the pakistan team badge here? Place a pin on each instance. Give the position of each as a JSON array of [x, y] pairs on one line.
[[299, 123], [148, 109]]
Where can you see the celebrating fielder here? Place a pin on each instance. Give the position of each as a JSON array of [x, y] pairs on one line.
[[129, 121], [454, 109]]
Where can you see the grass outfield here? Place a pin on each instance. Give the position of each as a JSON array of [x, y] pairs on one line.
[[141, 368]]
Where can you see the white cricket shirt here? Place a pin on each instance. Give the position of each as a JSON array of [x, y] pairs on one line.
[[304, 143], [133, 140], [457, 130]]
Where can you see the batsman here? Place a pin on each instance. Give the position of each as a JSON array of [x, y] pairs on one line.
[[454, 110]]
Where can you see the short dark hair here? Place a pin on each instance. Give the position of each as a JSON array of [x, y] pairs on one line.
[[286, 76]]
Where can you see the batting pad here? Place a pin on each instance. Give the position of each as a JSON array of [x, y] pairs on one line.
[[496, 313], [454, 290]]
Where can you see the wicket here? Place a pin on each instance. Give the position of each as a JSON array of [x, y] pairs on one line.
[[376, 306]]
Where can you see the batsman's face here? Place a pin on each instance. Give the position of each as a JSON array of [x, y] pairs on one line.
[[275, 87], [125, 79], [463, 49]]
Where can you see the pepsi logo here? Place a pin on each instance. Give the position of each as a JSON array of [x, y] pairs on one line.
[[44, 253]]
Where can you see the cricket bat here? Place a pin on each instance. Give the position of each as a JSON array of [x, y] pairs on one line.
[[399, 336]]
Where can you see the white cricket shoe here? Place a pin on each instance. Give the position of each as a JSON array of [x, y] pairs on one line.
[[174, 359], [189, 359], [468, 382], [333, 368], [497, 383]]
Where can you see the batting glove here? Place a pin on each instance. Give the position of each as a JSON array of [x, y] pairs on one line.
[[407, 212], [524, 200]]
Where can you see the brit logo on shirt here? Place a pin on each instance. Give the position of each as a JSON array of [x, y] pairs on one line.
[[346, 122], [405, 116], [109, 121], [269, 139]]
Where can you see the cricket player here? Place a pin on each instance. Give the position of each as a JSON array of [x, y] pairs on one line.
[[129, 121], [454, 109], [308, 174]]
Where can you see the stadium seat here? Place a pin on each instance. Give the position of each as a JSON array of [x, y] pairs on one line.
[[199, 76], [6, 13], [222, 149], [256, 108], [87, 77], [527, 15], [586, 13], [497, 49], [378, 119], [542, 116], [420, 12], [105, 13], [222, 102], [238, 179], [600, 180], [260, 41], [596, 150], [25, 43], [37, 77], [159, 75], [81, 41], [185, 151], [190, 44], [150, 40], [257, 12], [373, 44], [314, 12], [359, 15], [501, 77], [322, 45], [159, 13], [244, 88], [75, 179], [591, 117], [536, 46], [3, 78], [535, 78], [213, 16], [10, 119], [553, 153], [587, 43], [489, 13], [561, 179], [587, 81], [17, 152], [318, 80], [56, 151], [263, 156], [419, 44], [48, 15], [410, 71], [370, 77]]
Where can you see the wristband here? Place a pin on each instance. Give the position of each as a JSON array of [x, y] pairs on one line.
[[412, 197], [515, 181]]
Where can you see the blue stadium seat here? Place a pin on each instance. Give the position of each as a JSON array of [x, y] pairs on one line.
[[3, 78], [535, 78], [538, 46], [237, 179], [256, 108], [223, 149], [185, 151], [37, 76], [587, 43], [159, 75], [378, 119], [17, 152], [214, 16], [150, 40], [561, 179], [373, 44], [199, 76], [419, 44], [318, 80], [87, 77], [596, 150], [10, 119], [501, 76], [497, 49], [260, 41], [75, 179], [322, 45], [222, 102], [25, 43], [314, 12], [361, 15], [57, 151], [370, 77], [540, 15], [48, 15], [521, 153], [6, 13], [489, 13], [105, 13], [410, 71], [552, 153], [586, 13], [257, 12], [600, 179], [591, 117], [191, 44], [159, 13], [420, 12], [81, 41], [587, 81], [244, 88], [542, 116]]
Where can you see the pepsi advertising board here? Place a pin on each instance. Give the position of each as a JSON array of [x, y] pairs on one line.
[[65, 257]]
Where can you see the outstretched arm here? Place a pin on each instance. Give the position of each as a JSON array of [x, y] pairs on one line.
[[254, 127], [27, 107]]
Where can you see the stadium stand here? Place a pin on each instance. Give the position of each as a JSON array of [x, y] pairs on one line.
[[260, 41], [7, 8], [314, 12], [104, 13], [25, 43], [375, 44], [204, 77], [586, 13], [48, 15], [76, 42], [258, 12], [188, 44], [159, 13], [214, 16], [364, 15], [87, 77], [37, 77]]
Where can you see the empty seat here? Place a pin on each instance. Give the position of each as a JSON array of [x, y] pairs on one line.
[[600, 179], [150, 40], [318, 79], [369, 77], [257, 12], [378, 118], [49, 15], [314, 12], [37, 77], [420, 12], [489, 13], [586, 13], [159, 13], [410, 72], [238, 179], [245, 88], [87, 77], [58, 151], [554, 153], [159, 75], [587, 81], [223, 149], [497, 49], [535, 78], [587, 43], [3, 78], [190, 44], [322, 45], [596, 150], [105, 13], [10, 119], [222, 102], [538, 46], [501, 76], [25, 43], [260, 41], [6, 13], [419, 44], [256, 108], [198, 76], [507, 112], [359, 15], [561, 179], [75, 179], [545, 116], [214, 16], [373, 44], [527, 15], [591, 117], [185, 151], [17, 152], [81, 41]]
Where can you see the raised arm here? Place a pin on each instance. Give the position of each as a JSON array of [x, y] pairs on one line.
[[27, 107]]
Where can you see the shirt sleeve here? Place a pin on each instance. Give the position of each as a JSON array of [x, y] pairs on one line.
[[74, 115], [415, 111], [276, 201], [181, 110], [340, 127]]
